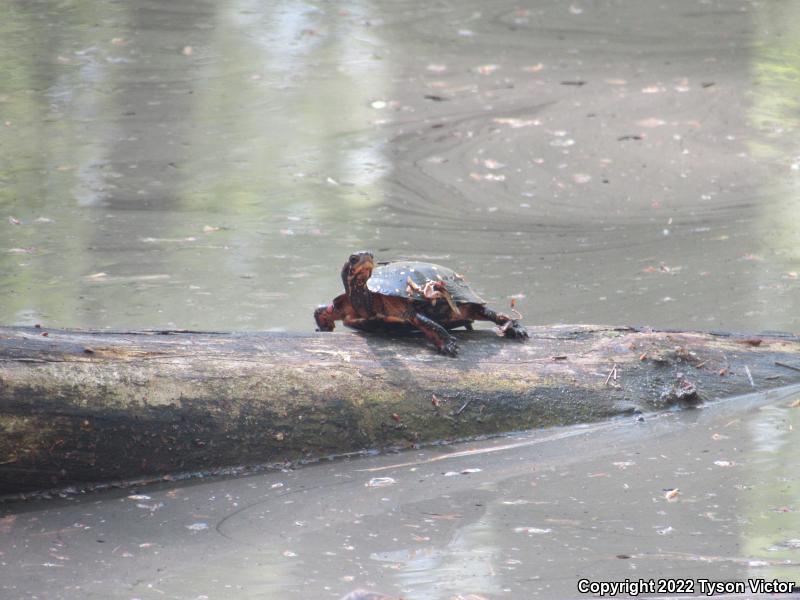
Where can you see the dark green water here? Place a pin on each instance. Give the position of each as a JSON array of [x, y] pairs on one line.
[[521, 517], [198, 164], [210, 165]]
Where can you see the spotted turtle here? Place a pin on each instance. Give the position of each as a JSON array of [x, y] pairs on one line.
[[410, 295]]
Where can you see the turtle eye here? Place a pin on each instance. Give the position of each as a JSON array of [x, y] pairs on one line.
[[353, 259]]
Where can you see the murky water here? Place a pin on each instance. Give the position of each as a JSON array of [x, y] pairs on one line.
[[200, 164], [210, 165], [712, 493]]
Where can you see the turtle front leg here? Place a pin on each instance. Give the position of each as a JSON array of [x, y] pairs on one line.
[[327, 314], [441, 338], [510, 328]]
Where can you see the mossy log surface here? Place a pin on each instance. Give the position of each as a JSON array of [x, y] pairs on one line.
[[83, 406]]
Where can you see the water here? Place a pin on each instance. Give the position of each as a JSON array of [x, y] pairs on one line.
[[210, 165], [519, 517]]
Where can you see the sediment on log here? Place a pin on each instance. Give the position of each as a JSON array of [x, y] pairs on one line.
[[83, 406]]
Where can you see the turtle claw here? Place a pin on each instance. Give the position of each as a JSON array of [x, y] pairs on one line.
[[515, 330], [449, 347]]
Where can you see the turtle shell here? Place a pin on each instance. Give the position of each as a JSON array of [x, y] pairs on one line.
[[392, 280]]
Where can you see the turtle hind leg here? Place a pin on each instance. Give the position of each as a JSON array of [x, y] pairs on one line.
[[445, 342], [511, 328]]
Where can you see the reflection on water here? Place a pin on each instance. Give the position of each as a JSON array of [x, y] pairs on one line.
[[184, 164], [775, 114], [210, 164], [521, 518], [772, 514]]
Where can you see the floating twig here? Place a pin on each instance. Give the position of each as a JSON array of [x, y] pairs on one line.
[[463, 407], [517, 314], [612, 373], [780, 364]]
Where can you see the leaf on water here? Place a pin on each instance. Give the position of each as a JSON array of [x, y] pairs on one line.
[[672, 495], [152, 240], [533, 68], [14, 220], [486, 69], [139, 497], [436, 68], [724, 463], [6, 523], [531, 530], [651, 122], [187, 51], [380, 482], [517, 123], [562, 143], [210, 228]]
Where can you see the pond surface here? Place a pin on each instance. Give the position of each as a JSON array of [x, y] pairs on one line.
[[712, 493], [210, 165]]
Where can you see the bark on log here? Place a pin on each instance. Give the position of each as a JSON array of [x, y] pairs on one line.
[[82, 406]]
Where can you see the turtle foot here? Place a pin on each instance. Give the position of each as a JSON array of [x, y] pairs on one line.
[[322, 315], [449, 347], [515, 330]]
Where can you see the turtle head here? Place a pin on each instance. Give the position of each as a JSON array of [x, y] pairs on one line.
[[357, 270]]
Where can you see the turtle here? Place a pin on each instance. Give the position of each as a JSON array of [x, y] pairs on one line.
[[410, 295]]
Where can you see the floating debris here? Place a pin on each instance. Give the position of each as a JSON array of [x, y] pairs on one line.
[[532, 530], [462, 472], [378, 482]]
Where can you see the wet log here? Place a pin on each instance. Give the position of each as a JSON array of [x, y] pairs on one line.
[[95, 406]]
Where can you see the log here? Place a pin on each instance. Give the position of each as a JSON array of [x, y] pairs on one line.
[[81, 407]]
